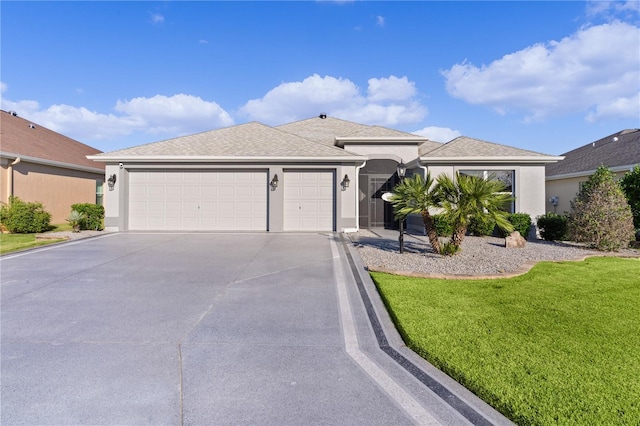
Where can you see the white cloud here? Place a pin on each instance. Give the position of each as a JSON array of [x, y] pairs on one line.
[[390, 89], [617, 108], [157, 19], [583, 73], [341, 98], [3, 87], [159, 115], [380, 21], [611, 9], [438, 134]]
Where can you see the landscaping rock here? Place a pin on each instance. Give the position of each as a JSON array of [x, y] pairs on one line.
[[515, 240]]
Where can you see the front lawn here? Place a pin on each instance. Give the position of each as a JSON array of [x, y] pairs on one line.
[[14, 242], [558, 345]]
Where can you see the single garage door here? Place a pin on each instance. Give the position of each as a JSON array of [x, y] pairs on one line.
[[308, 201], [198, 200]]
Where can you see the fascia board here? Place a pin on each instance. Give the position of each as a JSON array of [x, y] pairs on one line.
[[226, 159], [394, 140], [499, 160], [588, 173], [53, 163]]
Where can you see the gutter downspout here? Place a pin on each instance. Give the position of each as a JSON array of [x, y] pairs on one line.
[[10, 178]]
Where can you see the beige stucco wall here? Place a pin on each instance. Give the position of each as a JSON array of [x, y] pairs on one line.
[[396, 152], [566, 190], [56, 188]]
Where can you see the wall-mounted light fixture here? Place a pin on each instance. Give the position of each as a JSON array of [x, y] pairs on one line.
[[274, 182], [345, 182], [111, 182]]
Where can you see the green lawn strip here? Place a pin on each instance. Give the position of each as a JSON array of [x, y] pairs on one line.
[[558, 345], [14, 242]]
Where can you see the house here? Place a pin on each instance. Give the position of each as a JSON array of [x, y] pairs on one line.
[[620, 152], [40, 165], [319, 174]]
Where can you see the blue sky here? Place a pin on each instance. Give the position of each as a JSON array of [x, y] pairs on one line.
[[544, 76]]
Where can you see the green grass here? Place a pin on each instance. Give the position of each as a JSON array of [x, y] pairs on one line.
[[558, 345], [15, 242]]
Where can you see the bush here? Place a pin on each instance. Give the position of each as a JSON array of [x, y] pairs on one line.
[[552, 226], [630, 184], [521, 222], [600, 214], [481, 225], [443, 225], [449, 249], [24, 218], [93, 216]]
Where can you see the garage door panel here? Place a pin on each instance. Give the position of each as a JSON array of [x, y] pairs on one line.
[[309, 200], [198, 200]]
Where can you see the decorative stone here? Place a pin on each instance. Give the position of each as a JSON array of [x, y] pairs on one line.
[[515, 240]]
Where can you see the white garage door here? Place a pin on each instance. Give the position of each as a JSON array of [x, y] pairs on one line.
[[308, 201], [198, 201]]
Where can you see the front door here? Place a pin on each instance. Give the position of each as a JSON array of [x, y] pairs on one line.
[[380, 211]]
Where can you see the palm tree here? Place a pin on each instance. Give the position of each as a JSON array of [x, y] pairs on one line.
[[415, 195], [472, 196]]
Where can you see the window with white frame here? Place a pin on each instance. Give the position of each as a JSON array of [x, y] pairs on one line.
[[507, 177]]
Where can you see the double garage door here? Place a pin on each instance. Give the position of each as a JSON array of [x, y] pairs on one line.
[[227, 200]]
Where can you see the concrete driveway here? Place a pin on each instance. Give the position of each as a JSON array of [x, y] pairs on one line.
[[203, 329]]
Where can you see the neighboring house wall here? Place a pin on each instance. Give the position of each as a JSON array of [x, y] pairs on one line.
[[566, 189], [56, 188]]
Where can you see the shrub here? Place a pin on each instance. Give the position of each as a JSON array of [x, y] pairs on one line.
[[630, 184], [521, 222], [481, 225], [552, 226], [93, 216], [24, 218], [443, 225], [449, 249], [75, 218], [600, 214]]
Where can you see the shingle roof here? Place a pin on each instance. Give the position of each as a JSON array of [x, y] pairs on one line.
[[244, 140], [620, 149], [381, 132], [25, 138], [323, 130], [427, 147], [464, 146]]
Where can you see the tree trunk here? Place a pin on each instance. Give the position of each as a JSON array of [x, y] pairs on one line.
[[429, 226], [458, 235]]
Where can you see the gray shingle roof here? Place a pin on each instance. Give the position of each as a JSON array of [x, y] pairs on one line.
[[617, 150], [464, 146], [381, 132], [323, 130], [244, 140]]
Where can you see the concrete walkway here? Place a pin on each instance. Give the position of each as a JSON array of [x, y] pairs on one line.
[[195, 329]]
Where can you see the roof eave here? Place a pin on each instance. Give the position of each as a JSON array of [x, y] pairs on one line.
[[219, 159], [52, 163], [496, 159], [380, 140], [586, 173]]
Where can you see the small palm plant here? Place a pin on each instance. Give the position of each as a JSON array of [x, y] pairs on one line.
[[74, 219], [415, 195], [466, 197]]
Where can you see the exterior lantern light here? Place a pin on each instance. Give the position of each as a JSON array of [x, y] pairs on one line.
[[111, 182], [274, 182], [402, 171], [345, 182]]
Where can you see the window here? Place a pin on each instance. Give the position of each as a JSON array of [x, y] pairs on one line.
[[504, 176], [99, 192]]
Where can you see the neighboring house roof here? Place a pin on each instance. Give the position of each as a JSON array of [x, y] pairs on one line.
[[464, 149], [323, 130], [250, 141], [619, 151], [35, 143]]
